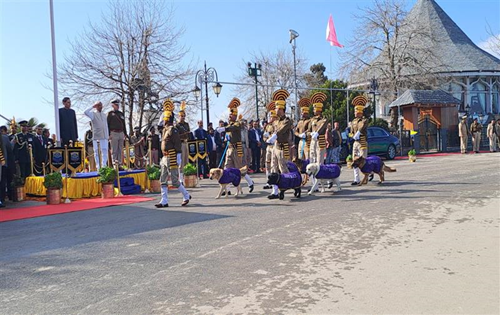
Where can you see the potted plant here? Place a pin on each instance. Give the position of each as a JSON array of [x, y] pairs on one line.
[[53, 182], [18, 185], [348, 161], [154, 173], [107, 176], [190, 178], [412, 155]]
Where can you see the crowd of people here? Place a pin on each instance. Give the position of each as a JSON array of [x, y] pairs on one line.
[[475, 131]]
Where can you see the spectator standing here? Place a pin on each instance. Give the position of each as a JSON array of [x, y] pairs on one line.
[[329, 144], [138, 141], [117, 131], [22, 141], [492, 136], [155, 145], [255, 139], [244, 143], [100, 132], [463, 133], [67, 123], [220, 141], [475, 129], [39, 151], [212, 154], [202, 134]]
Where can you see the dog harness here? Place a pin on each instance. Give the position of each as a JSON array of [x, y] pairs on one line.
[[231, 176], [328, 171], [373, 164]]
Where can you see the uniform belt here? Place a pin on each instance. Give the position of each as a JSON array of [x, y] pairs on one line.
[[116, 130]]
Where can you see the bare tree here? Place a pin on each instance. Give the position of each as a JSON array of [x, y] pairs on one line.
[[277, 72], [133, 53], [389, 47]]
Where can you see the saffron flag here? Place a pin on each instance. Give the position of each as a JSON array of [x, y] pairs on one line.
[[331, 35]]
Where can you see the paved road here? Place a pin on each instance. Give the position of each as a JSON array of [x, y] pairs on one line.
[[427, 241]]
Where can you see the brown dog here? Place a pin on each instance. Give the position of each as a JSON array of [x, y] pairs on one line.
[[228, 176], [372, 164]]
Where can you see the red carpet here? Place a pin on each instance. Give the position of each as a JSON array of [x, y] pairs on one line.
[[78, 205]]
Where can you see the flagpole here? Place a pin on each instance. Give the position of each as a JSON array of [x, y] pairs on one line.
[[54, 73]]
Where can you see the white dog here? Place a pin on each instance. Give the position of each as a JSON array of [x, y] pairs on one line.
[[321, 174]]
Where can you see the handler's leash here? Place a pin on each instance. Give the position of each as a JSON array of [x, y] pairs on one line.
[[224, 153]]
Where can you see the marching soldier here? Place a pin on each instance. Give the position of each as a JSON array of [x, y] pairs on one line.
[[281, 150], [169, 164], [359, 126], [234, 153], [268, 132], [317, 129], [302, 129], [184, 133], [476, 129], [463, 132], [22, 141]]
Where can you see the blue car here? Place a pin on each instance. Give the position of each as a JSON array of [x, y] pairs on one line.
[[380, 142]]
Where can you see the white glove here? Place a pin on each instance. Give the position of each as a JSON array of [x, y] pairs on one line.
[[302, 135], [221, 129], [314, 135], [179, 159], [357, 136], [272, 139]]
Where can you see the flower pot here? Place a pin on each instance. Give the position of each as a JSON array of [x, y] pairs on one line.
[[108, 190], [412, 158], [53, 196], [155, 185], [19, 193], [190, 181]]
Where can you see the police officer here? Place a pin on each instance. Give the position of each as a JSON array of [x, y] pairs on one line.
[[317, 129], [476, 128], [302, 129], [169, 164], [281, 149], [268, 132], [359, 127], [22, 141], [184, 133], [234, 153]]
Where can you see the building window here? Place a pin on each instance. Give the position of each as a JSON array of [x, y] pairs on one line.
[[477, 98], [495, 101]]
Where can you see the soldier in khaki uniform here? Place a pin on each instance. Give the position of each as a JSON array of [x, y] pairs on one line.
[[184, 132], [463, 133], [268, 132], [281, 149], [302, 129], [475, 130], [492, 136], [359, 126], [234, 153], [317, 129], [169, 164]]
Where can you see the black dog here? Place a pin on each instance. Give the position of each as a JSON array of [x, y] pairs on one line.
[[292, 180]]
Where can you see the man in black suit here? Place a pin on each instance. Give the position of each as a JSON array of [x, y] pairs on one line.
[[220, 141], [255, 139], [202, 134], [39, 151], [67, 123]]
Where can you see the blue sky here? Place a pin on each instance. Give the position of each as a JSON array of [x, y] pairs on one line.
[[223, 33]]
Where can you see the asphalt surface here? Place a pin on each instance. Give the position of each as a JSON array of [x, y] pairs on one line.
[[426, 241]]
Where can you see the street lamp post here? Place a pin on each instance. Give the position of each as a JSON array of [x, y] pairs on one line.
[[205, 76], [255, 72], [375, 95], [293, 37]]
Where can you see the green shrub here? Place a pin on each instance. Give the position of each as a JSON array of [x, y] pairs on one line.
[[153, 172], [189, 169], [53, 180], [412, 152], [107, 175]]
